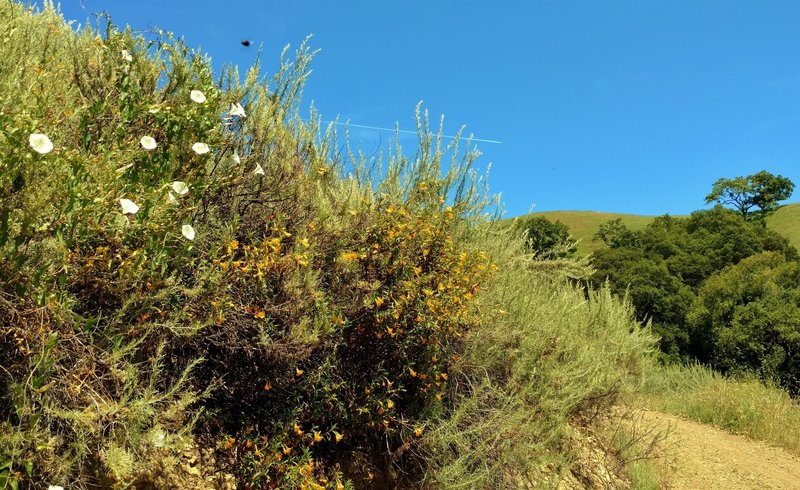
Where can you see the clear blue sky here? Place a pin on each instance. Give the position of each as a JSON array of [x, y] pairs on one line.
[[631, 106]]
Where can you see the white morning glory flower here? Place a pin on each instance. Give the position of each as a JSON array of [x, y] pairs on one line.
[[40, 143], [200, 148], [258, 170], [148, 143], [55, 487], [171, 198], [198, 96], [187, 232], [236, 157], [237, 110], [128, 206], [126, 56], [180, 188]]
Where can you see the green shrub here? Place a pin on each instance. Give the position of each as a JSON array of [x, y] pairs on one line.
[[174, 275], [544, 359], [546, 238]]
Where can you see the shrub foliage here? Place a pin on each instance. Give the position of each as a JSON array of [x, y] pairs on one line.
[[176, 269]]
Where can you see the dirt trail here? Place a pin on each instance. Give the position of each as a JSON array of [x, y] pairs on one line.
[[700, 457]]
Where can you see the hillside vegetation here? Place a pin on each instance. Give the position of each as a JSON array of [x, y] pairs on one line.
[[199, 288], [584, 224]]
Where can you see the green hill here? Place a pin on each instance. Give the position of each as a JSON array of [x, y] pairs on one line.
[[786, 221], [584, 224]]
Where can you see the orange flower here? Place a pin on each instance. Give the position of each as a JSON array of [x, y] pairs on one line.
[[298, 372], [418, 431]]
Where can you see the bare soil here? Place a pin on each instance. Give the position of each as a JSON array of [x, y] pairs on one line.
[[699, 456]]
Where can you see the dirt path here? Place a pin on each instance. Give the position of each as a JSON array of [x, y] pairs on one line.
[[703, 457]]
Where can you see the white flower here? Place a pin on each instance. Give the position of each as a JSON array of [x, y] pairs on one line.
[[200, 148], [159, 438], [154, 109], [123, 168], [188, 232], [55, 487], [128, 206], [126, 56], [180, 188], [40, 143], [171, 199], [237, 110], [198, 96], [147, 142], [236, 157], [258, 170]]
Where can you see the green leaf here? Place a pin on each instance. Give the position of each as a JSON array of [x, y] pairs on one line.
[[4, 214]]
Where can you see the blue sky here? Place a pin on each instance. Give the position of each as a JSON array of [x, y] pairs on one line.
[[633, 106]]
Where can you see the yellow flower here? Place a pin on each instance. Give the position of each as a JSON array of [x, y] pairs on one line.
[[317, 437], [349, 256], [337, 437], [418, 431], [297, 430], [379, 302], [298, 372]]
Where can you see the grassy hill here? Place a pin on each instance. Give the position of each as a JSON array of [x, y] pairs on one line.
[[584, 224], [786, 221]]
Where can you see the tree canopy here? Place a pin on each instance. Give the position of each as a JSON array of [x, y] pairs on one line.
[[749, 318], [753, 195], [548, 238], [663, 267]]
